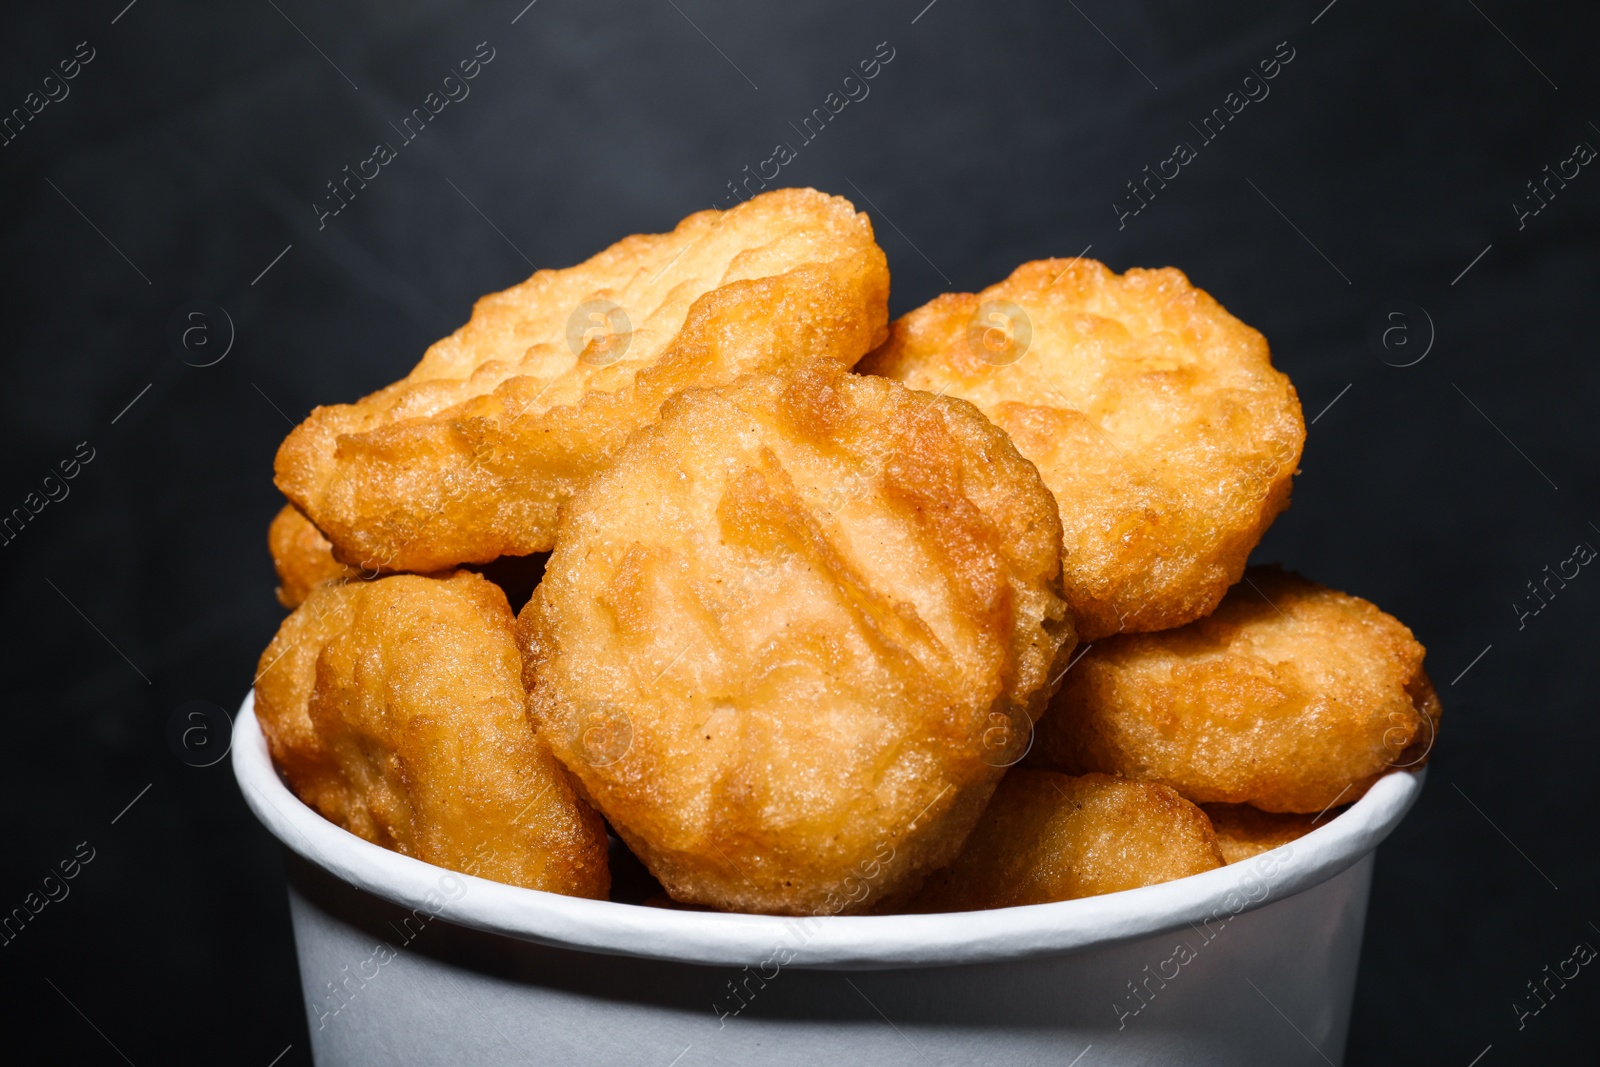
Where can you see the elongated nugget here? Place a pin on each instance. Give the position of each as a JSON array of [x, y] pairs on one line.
[[395, 708], [789, 641], [472, 454], [1290, 696], [1048, 836], [1155, 417]]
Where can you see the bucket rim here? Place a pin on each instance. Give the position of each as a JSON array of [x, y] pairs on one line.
[[850, 942]]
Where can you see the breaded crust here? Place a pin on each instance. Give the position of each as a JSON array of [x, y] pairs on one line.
[[395, 708], [471, 455], [1049, 836], [1244, 831], [302, 557], [1155, 417], [1290, 697], [789, 641]]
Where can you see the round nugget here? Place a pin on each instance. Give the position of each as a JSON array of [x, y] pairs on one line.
[[1155, 417], [789, 641], [396, 709], [1244, 831], [1290, 697], [1049, 836], [302, 557]]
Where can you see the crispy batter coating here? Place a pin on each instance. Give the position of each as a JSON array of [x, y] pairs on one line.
[[788, 642], [1290, 696], [302, 557], [1049, 836], [1244, 831], [396, 709], [1155, 417], [471, 455]]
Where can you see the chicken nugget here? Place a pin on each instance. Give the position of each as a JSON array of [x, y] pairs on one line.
[[1290, 696], [395, 708], [471, 455], [302, 557], [789, 641], [1049, 836], [1155, 417], [1244, 831]]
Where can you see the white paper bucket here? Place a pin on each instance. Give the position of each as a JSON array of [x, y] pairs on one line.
[[403, 962]]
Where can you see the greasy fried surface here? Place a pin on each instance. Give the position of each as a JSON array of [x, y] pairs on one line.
[[789, 640], [302, 557], [1048, 836], [395, 708], [1290, 697], [471, 454], [1155, 417], [1244, 831]]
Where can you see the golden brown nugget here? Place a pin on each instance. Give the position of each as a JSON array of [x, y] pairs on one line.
[[396, 709], [1244, 831], [471, 455], [1290, 696], [789, 641], [1049, 836], [302, 557], [1155, 417]]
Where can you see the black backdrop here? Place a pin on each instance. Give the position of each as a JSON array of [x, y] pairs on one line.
[[184, 158]]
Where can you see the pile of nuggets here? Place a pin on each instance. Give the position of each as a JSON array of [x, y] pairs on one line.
[[816, 613]]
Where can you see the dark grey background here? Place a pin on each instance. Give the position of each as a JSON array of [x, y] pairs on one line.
[[187, 156]]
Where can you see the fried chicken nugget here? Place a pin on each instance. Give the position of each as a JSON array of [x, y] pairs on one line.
[[789, 641], [302, 557], [1290, 697], [395, 708], [1155, 417], [1244, 831], [471, 455], [1048, 836]]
